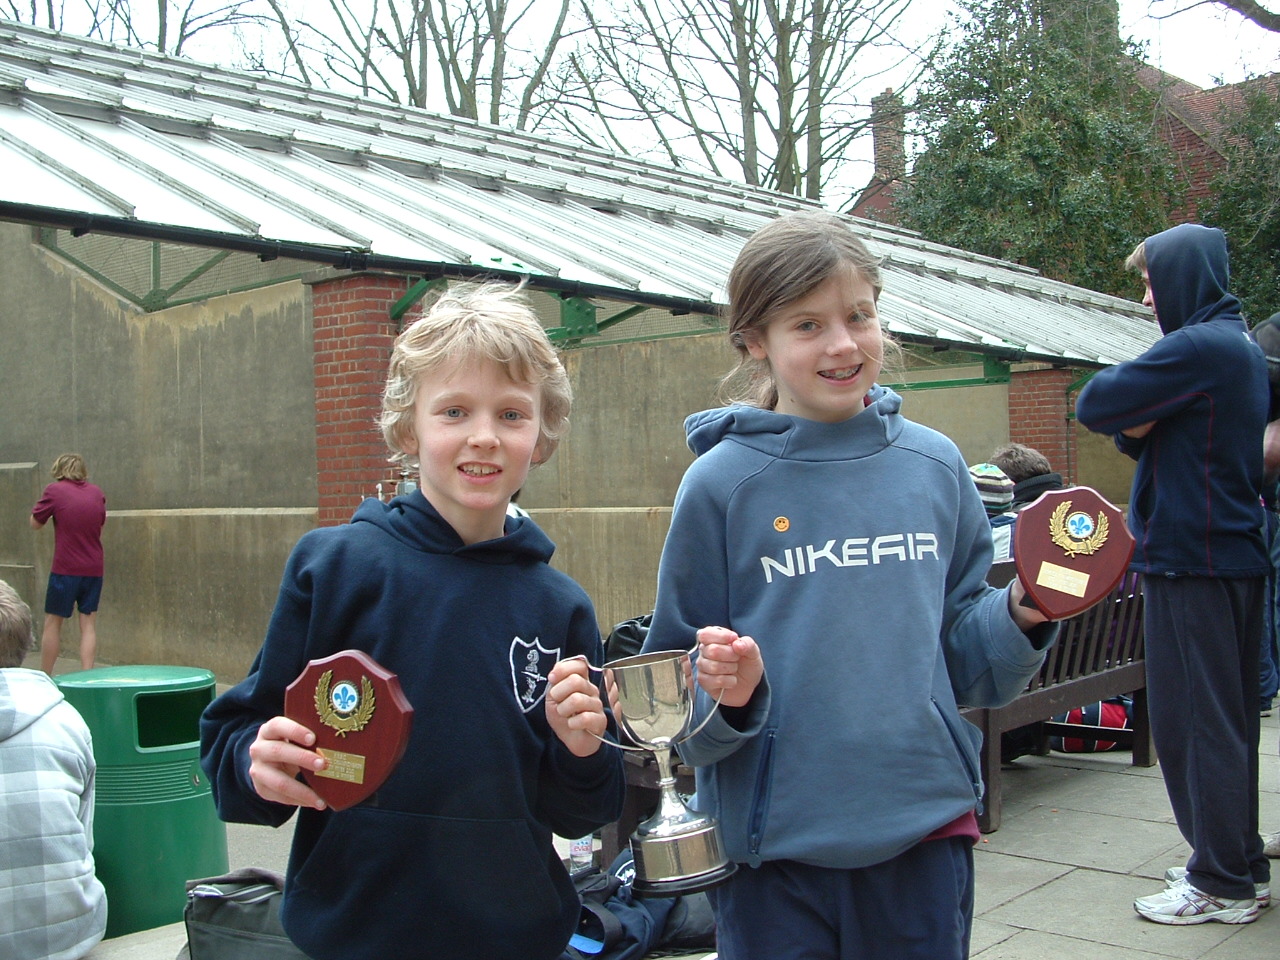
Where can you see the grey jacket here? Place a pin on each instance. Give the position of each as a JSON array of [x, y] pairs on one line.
[[52, 906]]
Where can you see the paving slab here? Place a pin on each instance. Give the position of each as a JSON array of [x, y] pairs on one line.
[[1096, 907]]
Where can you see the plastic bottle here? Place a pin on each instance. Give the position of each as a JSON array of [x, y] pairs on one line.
[[581, 854]]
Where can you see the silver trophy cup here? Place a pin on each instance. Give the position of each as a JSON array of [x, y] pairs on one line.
[[678, 849]]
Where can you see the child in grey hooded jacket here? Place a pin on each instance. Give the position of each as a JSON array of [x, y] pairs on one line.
[[821, 533]]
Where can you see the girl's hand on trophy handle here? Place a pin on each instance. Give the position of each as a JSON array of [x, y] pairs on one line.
[[730, 663]]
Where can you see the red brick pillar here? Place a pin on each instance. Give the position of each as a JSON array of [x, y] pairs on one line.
[[353, 333], [1040, 416]]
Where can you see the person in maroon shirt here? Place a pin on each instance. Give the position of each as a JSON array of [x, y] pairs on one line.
[[78, 509]]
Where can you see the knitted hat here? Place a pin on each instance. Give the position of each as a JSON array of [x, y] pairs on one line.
[[994, 486]]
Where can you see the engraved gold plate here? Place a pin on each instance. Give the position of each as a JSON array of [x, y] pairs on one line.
[[348, 767], [1063, 579]]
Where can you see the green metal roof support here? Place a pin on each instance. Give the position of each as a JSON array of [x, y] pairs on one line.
[[1072, 388], [157, 297], [577, 320], [412, 296], [621, 315]]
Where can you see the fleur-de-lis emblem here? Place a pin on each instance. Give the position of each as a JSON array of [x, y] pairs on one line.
[[1077, 532], [1079, 526], [344, 697], [343, 708]]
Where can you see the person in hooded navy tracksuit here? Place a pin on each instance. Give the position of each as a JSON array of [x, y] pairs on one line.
[[1191, 410], [452, 857]]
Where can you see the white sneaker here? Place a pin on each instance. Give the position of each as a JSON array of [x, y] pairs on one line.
[[1261, 891], [1271, 845], [1182, 904]]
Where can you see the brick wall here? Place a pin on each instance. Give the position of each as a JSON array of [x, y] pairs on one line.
[[1039, 410], [353, 334]]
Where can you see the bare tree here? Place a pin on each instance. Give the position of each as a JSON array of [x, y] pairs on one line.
[[462, 56], [763, 90], [1267, 17], [773, 92], [163, 25]]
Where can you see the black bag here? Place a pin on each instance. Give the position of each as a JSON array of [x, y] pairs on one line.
[[690, 924], [626, 639], [237, 917], [614, 925]]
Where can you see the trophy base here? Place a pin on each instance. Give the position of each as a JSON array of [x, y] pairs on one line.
[[678, 863], [679, 887]]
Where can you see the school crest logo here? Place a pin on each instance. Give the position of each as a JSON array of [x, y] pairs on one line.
[[530, 664]]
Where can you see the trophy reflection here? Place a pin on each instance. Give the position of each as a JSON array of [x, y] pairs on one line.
[[677, 850]]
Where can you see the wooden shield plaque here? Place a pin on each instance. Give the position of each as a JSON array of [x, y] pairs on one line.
[[361, 720], [1071, 548]]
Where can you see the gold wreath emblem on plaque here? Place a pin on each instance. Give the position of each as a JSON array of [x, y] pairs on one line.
[[1074, 545], [330, 717]]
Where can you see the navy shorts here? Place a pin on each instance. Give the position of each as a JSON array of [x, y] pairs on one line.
[[66, 592]]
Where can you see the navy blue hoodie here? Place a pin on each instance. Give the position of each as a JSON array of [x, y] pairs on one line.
[[452, 858], [1194, 507]]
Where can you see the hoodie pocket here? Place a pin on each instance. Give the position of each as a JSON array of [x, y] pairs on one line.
[[967, 743], [763, 788]]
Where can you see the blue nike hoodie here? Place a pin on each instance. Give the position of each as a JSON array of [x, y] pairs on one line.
[[1194, 507], [452, 858], [855, 554]]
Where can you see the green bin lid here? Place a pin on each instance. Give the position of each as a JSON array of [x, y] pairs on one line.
[[147, 677]]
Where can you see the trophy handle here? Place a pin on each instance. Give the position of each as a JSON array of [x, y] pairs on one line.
[[705, 720], [591, 668]]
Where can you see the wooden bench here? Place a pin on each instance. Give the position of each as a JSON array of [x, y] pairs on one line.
[[1099, 654]]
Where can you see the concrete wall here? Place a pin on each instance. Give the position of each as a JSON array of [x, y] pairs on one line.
[[196, 421], [1103, 467]]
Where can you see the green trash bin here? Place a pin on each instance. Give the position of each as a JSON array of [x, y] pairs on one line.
[[155, 826]]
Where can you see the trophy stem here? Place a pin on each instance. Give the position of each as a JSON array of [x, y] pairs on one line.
[[677, 850], [671, 808]]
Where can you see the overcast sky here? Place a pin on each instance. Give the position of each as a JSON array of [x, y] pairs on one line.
[[1203, 43]]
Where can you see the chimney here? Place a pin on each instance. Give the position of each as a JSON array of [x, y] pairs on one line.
[[888, 136]]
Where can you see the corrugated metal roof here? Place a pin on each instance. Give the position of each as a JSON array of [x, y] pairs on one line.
[[101, 138]]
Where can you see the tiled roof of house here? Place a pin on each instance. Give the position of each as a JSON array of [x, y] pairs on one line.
[[103, 139], [1206, 111]]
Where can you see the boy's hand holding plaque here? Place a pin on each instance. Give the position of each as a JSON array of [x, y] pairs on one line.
[[361, 721], [1070, 547]]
